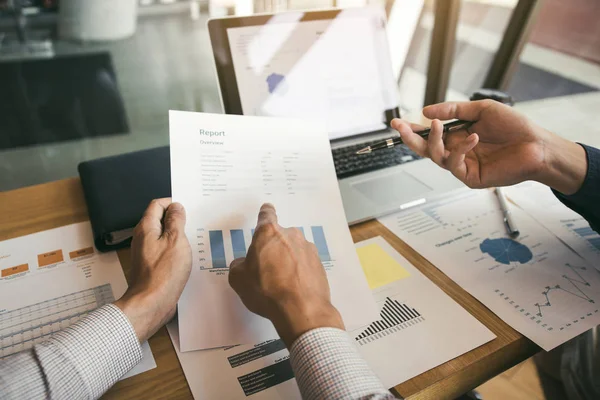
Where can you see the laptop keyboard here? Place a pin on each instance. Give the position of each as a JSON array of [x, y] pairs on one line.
[[348, 163]]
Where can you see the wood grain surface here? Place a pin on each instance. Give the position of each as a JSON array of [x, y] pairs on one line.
[[59, 203]]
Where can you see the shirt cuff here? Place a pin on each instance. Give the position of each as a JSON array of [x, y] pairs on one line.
[[327, 365], [101, 348], [585, 199], [589, 188]]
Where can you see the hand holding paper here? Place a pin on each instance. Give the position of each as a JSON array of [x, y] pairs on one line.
[[161, 266], [222, 180]]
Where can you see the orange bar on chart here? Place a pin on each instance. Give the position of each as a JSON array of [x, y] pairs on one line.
[[81, 253], [14, 270], [49, 258]]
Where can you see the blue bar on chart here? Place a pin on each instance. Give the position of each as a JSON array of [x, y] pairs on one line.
[[217, 249], [321, 243], [595, 242], [238, 243], [586, 231], [252, 231]]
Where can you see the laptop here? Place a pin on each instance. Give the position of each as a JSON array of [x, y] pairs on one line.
[[333, 66]]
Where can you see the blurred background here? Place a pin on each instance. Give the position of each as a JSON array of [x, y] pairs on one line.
[[85, 79]]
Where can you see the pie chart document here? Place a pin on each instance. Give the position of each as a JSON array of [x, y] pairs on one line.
[[535, 283], [223, 168]]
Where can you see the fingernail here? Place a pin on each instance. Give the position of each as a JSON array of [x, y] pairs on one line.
[[176, 206]]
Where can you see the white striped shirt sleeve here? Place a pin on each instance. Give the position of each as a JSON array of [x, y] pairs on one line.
[[327, 365], [79, 362]]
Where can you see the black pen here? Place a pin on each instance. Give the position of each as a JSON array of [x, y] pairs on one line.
[[391, 142]]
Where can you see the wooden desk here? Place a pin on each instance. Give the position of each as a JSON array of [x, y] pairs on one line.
[[59, 203]]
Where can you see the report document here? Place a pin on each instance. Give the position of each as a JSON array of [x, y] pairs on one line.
[[49, 280], [534, 282], [223, 168], [418, 328]]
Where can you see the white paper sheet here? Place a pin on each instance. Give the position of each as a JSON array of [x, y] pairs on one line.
[[262, 371], [50, 280], [420, 326], [538, 201], [223, 168], [534, 283], [441, 332]]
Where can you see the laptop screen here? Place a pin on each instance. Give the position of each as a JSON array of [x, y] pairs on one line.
[[335, 70]]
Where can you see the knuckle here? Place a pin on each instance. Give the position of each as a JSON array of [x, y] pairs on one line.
[[471, 185], [171, 236], [170, 219], [296, 234], [268, 229], [153, 203], [141, 228], [488, 103]]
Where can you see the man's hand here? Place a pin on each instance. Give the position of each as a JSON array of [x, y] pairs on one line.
[[282, 279], [161, 263], [500, 148]]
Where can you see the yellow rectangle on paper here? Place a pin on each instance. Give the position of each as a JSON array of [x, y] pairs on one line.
[[379, 267]]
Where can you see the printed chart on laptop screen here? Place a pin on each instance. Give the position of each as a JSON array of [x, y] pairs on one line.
[[335, 70]]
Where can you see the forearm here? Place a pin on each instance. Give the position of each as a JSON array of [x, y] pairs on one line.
[[565, 164], [327, 365], [82, 361]]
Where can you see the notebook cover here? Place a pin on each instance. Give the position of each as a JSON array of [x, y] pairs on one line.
[[119, 188]]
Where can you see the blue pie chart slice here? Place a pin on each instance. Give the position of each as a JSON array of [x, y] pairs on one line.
[[506, 251]]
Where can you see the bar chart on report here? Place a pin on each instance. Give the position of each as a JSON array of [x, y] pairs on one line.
[[22, 328], [218, 248], [582, 229], [394, 317]]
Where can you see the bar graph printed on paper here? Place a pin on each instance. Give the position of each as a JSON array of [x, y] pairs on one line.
[[393, 315], [217, 248], [586, 233], [22, 328]]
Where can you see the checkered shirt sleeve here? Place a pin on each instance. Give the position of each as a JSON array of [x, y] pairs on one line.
[[328, 366], [79, 362]]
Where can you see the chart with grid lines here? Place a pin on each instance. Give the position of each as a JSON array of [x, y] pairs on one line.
[[22, 328]]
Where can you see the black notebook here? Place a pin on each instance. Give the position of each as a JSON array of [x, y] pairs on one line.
[[118, 189]]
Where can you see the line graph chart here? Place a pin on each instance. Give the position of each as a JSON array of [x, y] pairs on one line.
[[573, 288], [537, 284]]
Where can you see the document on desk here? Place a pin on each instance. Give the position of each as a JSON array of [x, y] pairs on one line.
[[419, 328], [223, 168], [50, 280], [538, 201], [535, 283]]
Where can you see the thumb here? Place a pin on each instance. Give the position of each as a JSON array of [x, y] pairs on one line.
[[174, 220]]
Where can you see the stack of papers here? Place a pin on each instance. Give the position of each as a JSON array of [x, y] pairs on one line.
[[538, 201], [223, 169], [535, 283], [50, 280], [418, 324]]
